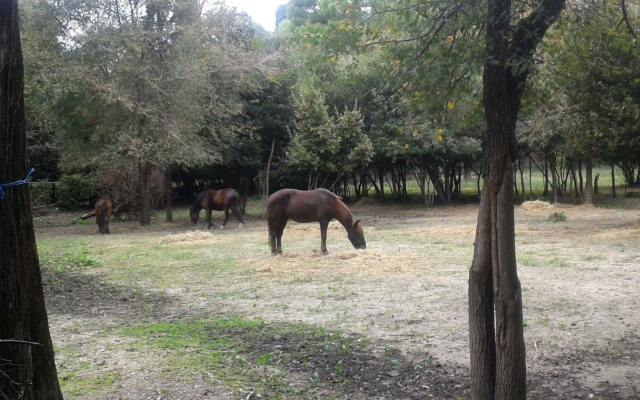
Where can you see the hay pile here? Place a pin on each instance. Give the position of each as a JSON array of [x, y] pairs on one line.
[[536, 205], [291, 266], [189, 238]]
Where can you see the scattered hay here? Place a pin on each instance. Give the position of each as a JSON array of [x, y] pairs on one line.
[[351, 263], [536, 205], [189, 238]]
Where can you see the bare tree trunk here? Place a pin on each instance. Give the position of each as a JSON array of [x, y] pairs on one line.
[[581, 179], [524, 190], [588, 187], [23, 316], [168, 197], [509, 53], [530, 173], [546, 178], [554, 178], [144, 174], [613, 181], [266, 180]]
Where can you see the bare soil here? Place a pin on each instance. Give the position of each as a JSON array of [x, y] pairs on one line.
[[400, 306]]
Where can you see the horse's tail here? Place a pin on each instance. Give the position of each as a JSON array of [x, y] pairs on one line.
[[235, 204]]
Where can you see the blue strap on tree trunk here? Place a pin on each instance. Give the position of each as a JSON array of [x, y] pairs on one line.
[[21, 182]]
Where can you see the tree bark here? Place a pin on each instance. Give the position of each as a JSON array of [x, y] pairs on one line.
[[144, 187], [168, 197], [23, 316], [554, 178], [509, 54], [613, 181], [266, 179], [588, 186]]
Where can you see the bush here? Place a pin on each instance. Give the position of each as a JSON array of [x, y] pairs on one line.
[[43, 193], [76, 190], [557, 217]]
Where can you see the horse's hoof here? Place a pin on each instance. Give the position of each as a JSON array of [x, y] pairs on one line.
[[222, 227], [240, 226]]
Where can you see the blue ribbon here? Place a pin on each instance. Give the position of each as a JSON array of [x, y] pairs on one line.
[[21, 182]]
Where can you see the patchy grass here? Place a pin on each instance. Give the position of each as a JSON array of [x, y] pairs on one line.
[[177, 313], [283, 360]]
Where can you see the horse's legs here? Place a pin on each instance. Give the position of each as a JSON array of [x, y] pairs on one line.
[[209, 223], [237, 214], [280, 232], [323, 236], [226, 217], [106, 224], [273, 236], [98, 222]]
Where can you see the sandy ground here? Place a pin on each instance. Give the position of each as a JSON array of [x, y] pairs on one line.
[[407, 292]]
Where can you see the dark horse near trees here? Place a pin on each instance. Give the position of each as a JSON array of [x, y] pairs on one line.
[[103, 214], [318, 205], [219, 200]]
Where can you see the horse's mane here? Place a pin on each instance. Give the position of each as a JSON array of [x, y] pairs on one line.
[[198, 199], [331, 193]]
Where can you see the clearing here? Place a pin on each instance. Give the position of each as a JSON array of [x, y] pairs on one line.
[[166, 312]]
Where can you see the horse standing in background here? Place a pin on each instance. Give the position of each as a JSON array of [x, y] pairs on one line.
[[219, 200], [103, 209], [318, 205]]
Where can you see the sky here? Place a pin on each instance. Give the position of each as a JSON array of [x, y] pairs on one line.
[[262, 12]]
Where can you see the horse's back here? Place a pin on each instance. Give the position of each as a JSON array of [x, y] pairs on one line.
[[300, 205], [103, 205]]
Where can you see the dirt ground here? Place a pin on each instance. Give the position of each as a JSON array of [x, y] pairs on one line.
[[167, 312]]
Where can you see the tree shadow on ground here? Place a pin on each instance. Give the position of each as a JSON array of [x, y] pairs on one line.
[[89, 295], [315, 363]]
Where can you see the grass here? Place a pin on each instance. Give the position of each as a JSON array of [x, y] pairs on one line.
[[80, 378], [534, 190], [170, 315], [240, 353]]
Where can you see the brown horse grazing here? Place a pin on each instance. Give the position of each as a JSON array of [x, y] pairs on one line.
[[318, 205], [219, 200], [103, 214]]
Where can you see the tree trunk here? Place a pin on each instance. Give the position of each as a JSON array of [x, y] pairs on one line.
[[588, 187], [266, 179], [509, 54], [144, 188], [554, 178], [381, 177], [168, 197], [581, 179], [23, 316], [524, 190], [613, 181], [546, 178], [530, 173]]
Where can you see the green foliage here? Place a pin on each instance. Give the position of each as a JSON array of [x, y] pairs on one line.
[[76, 190]]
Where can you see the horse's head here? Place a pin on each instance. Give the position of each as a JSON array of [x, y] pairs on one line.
[[356, 236], [194, 214]]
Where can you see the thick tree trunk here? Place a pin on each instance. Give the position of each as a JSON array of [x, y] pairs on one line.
[[509, 53], [481, 318], [168, 197], [23, 316], [144, 188], [588, 187]]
